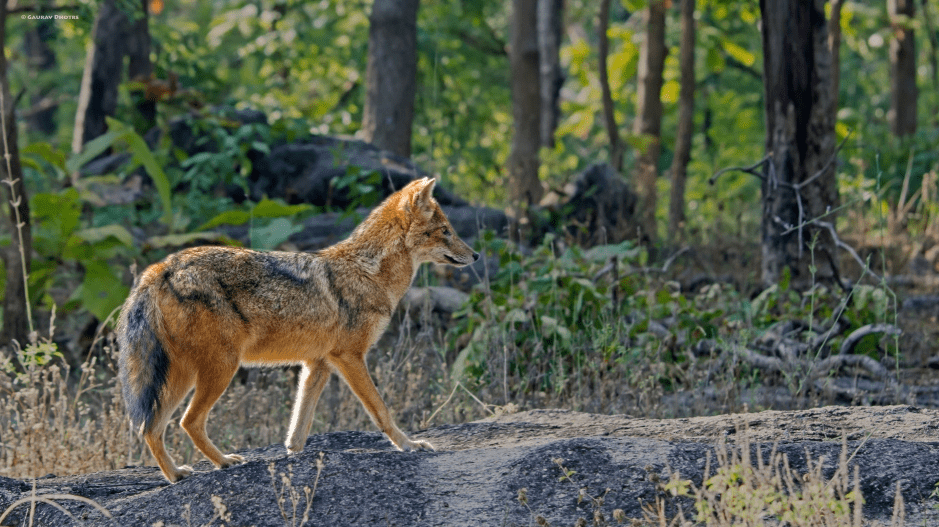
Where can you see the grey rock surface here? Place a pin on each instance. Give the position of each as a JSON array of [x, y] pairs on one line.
[[478, 469]]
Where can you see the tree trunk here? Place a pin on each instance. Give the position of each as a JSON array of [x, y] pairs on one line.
[[649, 121], [16, 257], [834, 45], [98, 96], [390, 76], [524, 185], [903, 91], [799, 183], [933, 61], [139, 67], [609, 115], [41, 58], [549, 45], [115, 35], [676, 209]]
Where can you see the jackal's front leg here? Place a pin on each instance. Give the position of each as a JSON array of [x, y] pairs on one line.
[[355, 373]]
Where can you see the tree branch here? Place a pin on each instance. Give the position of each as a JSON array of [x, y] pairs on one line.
[[752, 169], [847, 347]]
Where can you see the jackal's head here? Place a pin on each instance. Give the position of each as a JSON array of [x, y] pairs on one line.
[[430, 237]]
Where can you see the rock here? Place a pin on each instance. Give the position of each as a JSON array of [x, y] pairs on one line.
[[301, 172], [475, 475], [441, 299], [603, 207], [328, 228]]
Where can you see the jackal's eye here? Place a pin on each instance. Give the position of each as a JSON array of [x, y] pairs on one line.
[[446, 231]]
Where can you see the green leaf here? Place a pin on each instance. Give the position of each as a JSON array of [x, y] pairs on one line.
[[101, 290], [56, 217], [229, 217], [271, 209], [742, 55], [785, 279], [97, 234], [178, 240], [670, 91], [715, 61], [92, 149], [144, 156], [46, 152], [273, 234], [634, 5]]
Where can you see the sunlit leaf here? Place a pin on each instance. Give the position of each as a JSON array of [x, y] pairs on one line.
[[267, 208], [742, 55], [670, 91], [714, 60]]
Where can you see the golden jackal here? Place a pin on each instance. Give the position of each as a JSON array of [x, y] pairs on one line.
[[193, 318]]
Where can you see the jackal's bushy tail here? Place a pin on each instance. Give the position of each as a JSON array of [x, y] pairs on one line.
[[143, 361]]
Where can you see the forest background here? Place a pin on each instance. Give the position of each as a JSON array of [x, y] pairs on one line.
[[556, 325]]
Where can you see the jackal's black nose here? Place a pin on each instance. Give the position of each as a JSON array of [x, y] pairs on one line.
[[475, 256]]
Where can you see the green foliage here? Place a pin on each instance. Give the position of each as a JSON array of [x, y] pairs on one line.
[[554, 313], [65, 247], [554, 310], [221, 162], [362, 188]]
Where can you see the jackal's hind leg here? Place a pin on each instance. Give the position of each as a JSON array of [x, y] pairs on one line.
[[154, 435], [208, 389]]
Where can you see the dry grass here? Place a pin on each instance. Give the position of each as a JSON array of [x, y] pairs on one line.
[[745, 492], [57, 421], [52, 426]]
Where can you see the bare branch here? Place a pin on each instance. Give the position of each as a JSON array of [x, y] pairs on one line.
[[847, 347], [831, 229], [836, 362], [752, 169], [759, 360]]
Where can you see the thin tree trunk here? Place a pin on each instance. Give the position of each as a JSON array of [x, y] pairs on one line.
[[933, 61], [139, 66], [103, 65], [834, 44], [16, 257], [524, 185], [799, 183], [549, 45], [903, 91], [609, 116], [41, 58], [676, 210], [391, 75], [649, 121]]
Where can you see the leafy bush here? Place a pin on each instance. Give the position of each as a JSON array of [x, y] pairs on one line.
[[560, 316]]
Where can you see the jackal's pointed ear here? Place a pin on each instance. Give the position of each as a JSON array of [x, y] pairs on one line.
[[421, 196], [425, 190]]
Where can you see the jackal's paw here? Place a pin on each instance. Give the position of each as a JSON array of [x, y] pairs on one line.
[[293, 449], [179, 473], [409, 446], [231, 459]]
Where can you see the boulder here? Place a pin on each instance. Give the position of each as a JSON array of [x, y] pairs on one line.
[[303, 172], [602, 207], [563, 460]]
